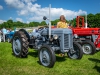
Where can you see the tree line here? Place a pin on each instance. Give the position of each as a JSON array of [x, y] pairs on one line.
[[92, 19]]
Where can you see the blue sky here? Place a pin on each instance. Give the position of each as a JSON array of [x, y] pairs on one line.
[[34, 10]]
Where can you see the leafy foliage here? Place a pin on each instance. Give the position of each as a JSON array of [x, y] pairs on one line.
[[92, 19]]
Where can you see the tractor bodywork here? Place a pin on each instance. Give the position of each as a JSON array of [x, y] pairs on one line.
[[83, 33], [60, 42]]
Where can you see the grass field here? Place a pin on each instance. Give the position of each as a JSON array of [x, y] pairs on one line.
[[11, 65]]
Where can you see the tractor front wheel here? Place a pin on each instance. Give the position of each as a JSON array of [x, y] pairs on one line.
[[75, 53], [47, 56]]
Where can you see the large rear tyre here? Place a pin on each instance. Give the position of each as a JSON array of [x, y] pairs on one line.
[[88, 47], [77, 52], [47, 56], [20, 44]]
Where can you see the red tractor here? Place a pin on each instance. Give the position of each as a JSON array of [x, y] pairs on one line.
[[89, 38]]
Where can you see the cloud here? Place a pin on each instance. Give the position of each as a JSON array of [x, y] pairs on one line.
[[1, 21], [19, 19], [22, 12], [34, 12], [69, 14], [55, 13], [15, 3], [1, 7], [19, 4], [11, 18]]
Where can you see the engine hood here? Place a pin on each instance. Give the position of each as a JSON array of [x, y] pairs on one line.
[[61, 30], [57, 31]]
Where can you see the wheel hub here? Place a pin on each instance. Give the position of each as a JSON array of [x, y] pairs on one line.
[[45, 58], [16, 46], [87, 48], [72, 51]]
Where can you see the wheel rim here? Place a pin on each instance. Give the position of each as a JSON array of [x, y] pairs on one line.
[[74, 54], [16, 45], [44, 57], [87, 49]]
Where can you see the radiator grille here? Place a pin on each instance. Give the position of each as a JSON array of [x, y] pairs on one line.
[[66, 41], [71, 41]]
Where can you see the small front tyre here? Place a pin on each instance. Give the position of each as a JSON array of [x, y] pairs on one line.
[[88, 47], [75, 53], [47, 56]]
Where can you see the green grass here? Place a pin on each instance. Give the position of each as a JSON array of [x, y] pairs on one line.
[[11, 65]]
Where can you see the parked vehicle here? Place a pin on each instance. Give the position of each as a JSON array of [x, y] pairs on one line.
[[9, 36], [89, 38], [47, 42]]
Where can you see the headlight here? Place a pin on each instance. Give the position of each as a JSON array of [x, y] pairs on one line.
[[75, 35], [55, 36]]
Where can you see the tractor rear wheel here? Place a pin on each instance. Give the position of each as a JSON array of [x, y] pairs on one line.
[[76, 53], [47, 56], [88, 47], [20, 44]]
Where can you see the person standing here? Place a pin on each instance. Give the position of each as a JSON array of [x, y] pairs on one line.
[[4, 31], [62, 24]]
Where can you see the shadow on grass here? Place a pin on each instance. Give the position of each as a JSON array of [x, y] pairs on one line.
[[97, 51], [58, 58], [96, 62], [19, 57], [33, 54]]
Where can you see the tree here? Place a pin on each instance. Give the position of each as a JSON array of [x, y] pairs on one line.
[[31, 24], [4, 24], [43, 23], [97, 20], [9, 23], [36, 24], [92, 19]]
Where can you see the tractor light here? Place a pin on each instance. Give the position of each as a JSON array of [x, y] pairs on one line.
[[55, 36], [75, 35]]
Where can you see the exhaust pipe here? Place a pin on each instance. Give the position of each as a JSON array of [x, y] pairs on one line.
[[49, 21]]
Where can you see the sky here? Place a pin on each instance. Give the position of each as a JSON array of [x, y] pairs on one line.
[[33, 10]]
